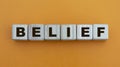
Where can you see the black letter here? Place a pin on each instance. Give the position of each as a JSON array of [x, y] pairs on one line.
[[50, 33], [68, 32], [34, 32], [20, 32], [99, 31], [83, 31]]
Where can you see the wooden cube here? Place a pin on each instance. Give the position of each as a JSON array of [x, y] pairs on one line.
[[100, 31], [19, 32], [52, 32], [84, 32], [68, 32], [36, 32]]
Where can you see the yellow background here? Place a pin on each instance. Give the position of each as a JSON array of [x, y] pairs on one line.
[[59, 53]]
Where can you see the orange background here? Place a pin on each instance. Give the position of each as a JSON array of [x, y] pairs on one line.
[[59, 53]]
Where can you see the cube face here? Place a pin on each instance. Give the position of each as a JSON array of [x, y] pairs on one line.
[[19, 32], [36, 32], [52, 32], [100, 31], [84, 32], [68, 32]]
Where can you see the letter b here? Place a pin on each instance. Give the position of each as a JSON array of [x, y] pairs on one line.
[[20, 32]]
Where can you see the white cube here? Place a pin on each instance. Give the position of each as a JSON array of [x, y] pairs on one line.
[[19, 32], [52, 32], [68, 32], [36, 32], [100, 31], [84, 32]]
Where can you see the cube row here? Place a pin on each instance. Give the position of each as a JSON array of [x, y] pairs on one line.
[[60, 32]]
